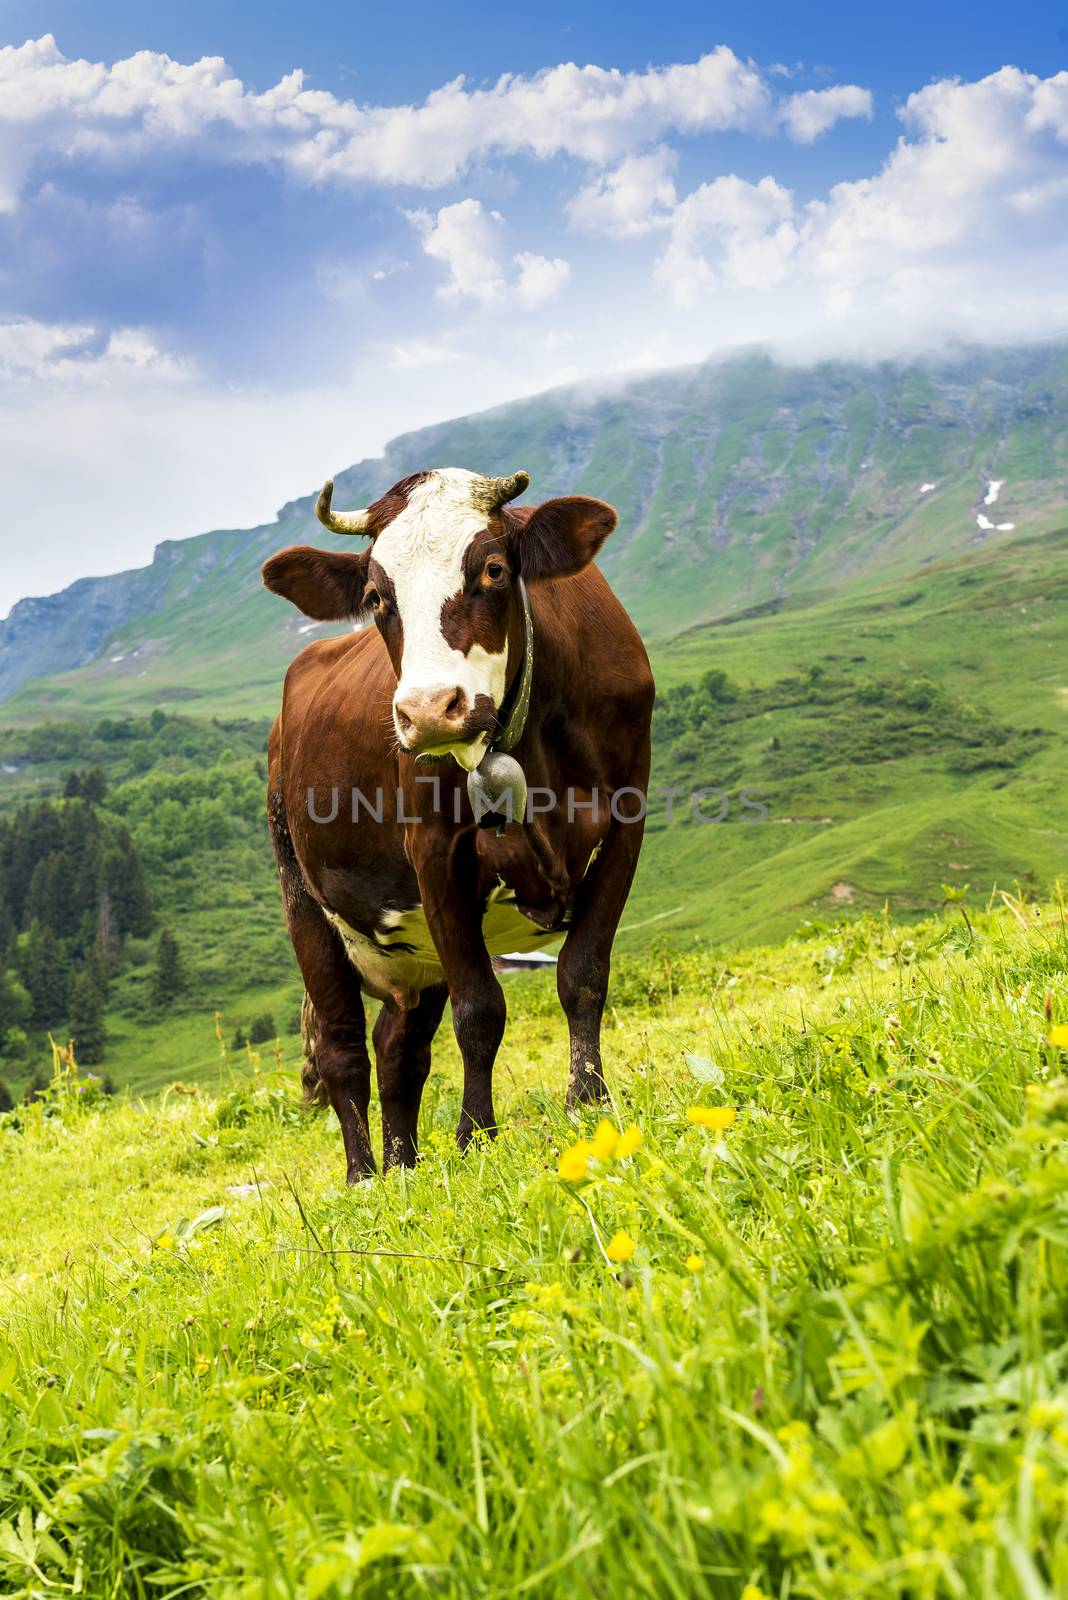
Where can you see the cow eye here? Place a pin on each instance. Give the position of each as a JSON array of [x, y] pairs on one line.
[[494, 570]]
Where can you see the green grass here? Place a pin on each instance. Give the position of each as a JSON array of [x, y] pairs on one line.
[[833, 1364]]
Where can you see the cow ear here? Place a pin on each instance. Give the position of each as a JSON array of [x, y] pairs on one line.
[[322, 584], [559, 537]]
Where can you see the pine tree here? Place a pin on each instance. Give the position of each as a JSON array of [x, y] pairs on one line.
[[124, 881], [73, 787], [81, 868], [48, 899], [7, 924], [6, 1102], [168, 980], [86, 1020], [46, 974], [94, 785], [37, 834]]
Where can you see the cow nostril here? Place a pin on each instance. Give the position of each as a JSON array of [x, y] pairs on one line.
[[404, 720], [455, 707]]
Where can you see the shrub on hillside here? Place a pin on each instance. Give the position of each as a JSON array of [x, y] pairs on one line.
[[168, 979], [262, 1029]]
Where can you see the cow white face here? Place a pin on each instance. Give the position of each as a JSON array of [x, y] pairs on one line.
[[440, 581], [444, 616]]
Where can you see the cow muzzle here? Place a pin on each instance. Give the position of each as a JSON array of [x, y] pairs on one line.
[[441, 721], [427, 717]]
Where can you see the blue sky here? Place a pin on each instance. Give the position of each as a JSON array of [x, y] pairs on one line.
[[219, 283]]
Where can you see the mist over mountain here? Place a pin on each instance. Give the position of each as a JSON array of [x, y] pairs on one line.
[[738, 482]]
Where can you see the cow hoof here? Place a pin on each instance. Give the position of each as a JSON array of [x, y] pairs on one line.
[[588, 1090]]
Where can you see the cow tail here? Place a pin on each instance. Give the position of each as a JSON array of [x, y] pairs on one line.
[[315, 1092]]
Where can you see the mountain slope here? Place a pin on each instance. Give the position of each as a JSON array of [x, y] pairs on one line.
[[738, 482]]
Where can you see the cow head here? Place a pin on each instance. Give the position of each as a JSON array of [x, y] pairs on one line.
[[440, 580]]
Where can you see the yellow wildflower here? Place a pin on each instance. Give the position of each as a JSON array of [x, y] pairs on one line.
[[605, 1140], [1045, 1413], [752, 1591], [547, 1296], [773, 1516], [165, 1242], [574, 1162], [694, 1263], [620, 1247], [798, 1522], [717, 1117], [1059, 1036], [628, 1142]]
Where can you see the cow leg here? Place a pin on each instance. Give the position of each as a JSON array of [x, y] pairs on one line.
[[333, 987], [478, 1012], [448, 890], [586, 955], [402, 1055], [345, 1068]]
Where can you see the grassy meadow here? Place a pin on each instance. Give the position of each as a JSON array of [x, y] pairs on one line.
[[791, 1321]]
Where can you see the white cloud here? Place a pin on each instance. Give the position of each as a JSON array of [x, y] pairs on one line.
[[77, 353], [466, 240], [923, 238], [414, 355], [1049, 106], [808, 115], [28, 347], [638, 196], [939, 201], [79, 110], [469, 242], [746, 229], [539, 278]]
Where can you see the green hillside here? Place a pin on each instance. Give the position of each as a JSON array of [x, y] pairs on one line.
[[738, 483], [852, 823]]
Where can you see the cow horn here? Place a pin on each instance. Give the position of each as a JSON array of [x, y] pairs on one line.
[[499, 491], [339, 521]]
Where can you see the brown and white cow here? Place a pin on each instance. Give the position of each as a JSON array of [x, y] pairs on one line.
[[391, 886]]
